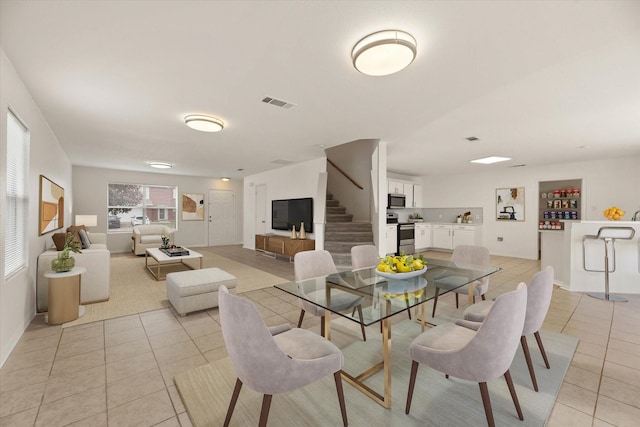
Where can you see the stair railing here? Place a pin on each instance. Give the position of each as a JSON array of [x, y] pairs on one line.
[[345, 174]]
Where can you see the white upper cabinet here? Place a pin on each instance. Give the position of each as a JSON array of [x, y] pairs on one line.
[[396, 187], [412, 192]]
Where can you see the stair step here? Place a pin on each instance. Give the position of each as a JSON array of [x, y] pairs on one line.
[[333, 203], [348, 236], [347, 226], [343, 247], [339, 217], [336, 210], [341, 260]]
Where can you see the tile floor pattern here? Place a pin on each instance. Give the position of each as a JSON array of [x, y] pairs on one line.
[[119, 371]]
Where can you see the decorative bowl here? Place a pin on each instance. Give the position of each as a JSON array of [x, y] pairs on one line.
[[401, 276]]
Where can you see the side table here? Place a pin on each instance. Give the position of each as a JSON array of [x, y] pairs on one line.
[[64, 296]]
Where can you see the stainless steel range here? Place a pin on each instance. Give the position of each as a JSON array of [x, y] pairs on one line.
[[406, 238]]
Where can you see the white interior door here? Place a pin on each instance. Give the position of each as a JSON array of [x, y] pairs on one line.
[[261, 209], [222, 222]]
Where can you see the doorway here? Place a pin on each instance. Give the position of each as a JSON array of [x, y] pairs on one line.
[[261, 209], [222, 221]]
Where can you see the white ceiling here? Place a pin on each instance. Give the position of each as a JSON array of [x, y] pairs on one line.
[[534, 81]]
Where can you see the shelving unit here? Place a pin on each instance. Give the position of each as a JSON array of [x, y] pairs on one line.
[[559, 201]]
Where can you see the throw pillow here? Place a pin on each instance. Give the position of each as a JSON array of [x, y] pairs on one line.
[[84, 238], [74, 230], [59, 240]]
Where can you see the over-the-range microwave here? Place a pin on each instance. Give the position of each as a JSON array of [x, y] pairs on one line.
[[395, 201]]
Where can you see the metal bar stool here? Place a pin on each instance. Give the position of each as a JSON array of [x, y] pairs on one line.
[[607, 234]]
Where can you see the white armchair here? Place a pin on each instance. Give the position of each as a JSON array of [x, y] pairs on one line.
[[149, 236]]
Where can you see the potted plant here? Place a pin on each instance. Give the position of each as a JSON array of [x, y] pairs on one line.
[[64, 261], [165, 241]]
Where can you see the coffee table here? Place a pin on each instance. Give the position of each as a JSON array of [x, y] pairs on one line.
[[162, 259]]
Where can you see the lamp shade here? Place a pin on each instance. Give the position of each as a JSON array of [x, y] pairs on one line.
[[383, 53], [87, 220]]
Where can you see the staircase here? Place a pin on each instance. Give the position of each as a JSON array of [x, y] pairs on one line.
[[341, 233]]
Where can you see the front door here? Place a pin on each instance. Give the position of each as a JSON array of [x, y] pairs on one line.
[[222, 223]]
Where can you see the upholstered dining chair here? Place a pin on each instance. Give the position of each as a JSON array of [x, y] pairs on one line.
[[475, 355], [317, 264], [465, 256], [274, 360], [538, 300], [365, 256]]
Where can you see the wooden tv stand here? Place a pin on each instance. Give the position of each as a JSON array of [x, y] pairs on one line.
[[283, 245]]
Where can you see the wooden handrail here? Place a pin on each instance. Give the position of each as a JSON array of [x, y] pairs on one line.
[[345, 174]]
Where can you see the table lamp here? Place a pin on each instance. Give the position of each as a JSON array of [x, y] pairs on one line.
[[87, 220]]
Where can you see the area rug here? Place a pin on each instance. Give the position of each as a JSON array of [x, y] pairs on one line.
[[437, 401], [133, 290]]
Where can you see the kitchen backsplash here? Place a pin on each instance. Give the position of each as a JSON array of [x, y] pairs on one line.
[[438, 214]]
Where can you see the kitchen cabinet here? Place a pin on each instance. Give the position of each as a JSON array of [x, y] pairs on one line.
[[417, 196], [442, 236], [464, 235], [392, 239], [423, 236], [412, 192], [396, 187]]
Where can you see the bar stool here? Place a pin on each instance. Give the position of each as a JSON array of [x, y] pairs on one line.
[[607, 234]]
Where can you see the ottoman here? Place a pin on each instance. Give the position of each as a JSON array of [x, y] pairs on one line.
[[195, 290]]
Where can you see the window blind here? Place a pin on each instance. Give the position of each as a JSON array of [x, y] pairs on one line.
[[17, 214]]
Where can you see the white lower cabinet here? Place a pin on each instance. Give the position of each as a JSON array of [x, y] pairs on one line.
[[464, 235], [442, 236], [392, 239], [423, 236]]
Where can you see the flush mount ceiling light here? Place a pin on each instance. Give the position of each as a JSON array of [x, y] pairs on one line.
[[491, 159], [383, 53], [225, 179], [204, 123], [160, 165]]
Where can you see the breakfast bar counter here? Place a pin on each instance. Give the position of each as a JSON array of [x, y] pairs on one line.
[[582, 260]]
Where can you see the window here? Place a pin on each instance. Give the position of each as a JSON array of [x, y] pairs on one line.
[[17, 215], [137, 204]]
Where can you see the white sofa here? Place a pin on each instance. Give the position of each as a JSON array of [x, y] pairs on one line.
[[149, 236], [95, 283]]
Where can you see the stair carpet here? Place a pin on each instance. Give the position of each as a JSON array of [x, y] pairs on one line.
[[342, 233]]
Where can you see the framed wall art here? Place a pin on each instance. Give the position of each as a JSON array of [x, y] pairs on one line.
[[51, 206], [192, 207], [510, 204]]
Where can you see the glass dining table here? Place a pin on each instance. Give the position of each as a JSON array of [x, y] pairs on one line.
[[383, 298]]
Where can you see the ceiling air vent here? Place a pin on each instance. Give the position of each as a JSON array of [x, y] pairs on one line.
[[277, 102], [518, 166], [472, 138], [282, 162]]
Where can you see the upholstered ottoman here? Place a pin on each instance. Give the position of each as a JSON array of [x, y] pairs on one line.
[[195, 290]]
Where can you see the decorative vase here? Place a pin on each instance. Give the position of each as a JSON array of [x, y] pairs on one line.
[[293, 233], [303, 234], [63, 263]]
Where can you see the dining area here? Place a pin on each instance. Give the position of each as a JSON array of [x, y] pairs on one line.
[[362, 312]]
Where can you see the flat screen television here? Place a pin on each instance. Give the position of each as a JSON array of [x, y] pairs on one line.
[[289, 212]]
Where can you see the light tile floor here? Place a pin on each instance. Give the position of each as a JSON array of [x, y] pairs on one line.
[[119, 371]]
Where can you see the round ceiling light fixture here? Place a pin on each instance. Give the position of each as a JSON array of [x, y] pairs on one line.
[[225, 179], [204, 123], [383, 53], [160, 165]]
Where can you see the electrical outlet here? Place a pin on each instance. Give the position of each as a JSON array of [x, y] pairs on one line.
[[477, 216], [500, 239]]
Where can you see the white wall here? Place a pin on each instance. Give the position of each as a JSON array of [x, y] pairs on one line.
[[90, 191], [306, 179], [604, 183], [354, 159], [18, 293]]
